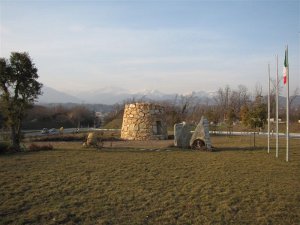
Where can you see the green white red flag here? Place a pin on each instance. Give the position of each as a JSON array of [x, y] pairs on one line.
[[285, 67]]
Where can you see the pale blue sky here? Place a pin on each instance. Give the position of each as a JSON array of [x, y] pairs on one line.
[[171, 46]]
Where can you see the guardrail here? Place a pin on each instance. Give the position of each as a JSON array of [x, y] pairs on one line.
[[233, 133]]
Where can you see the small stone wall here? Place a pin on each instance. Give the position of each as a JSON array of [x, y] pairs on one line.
[[144, 121]]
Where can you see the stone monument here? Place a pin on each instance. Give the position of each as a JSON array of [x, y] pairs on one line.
[[201, 139], [182, 135], [144, 121]]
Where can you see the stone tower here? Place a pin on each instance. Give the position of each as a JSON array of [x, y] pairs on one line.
[[144, 121]]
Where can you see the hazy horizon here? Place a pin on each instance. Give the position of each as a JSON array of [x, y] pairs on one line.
[[170, 46]]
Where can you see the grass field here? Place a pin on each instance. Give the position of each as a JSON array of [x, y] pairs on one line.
[[151, 183]]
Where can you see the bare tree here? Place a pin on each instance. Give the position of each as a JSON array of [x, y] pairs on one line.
[[258, 90], [294, 96], [222, 101], [80, 114]]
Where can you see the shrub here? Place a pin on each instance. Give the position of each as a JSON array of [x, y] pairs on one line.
[[4, 147], [58, 137], [35, 147]]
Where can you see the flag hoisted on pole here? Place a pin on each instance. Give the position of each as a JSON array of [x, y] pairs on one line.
[[285, 67], [277, 84], [286, 80], [269, 110]]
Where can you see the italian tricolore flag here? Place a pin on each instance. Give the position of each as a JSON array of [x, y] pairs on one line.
[[285, 67]]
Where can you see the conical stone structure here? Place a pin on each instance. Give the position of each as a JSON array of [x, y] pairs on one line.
[[144, 121], [200, 138]]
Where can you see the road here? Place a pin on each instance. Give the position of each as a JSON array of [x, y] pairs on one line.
[[30, 133]]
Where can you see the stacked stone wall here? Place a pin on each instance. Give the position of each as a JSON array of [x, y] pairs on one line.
[[144, 121]]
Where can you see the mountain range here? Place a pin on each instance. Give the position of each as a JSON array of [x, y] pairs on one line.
[[51, 95], [112, 95], [109, 95]]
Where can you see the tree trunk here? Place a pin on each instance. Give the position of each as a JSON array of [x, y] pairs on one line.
[[15, 139], [16, 132]]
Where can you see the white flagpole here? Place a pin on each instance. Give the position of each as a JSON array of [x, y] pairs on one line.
[[287, 106], [269, 110], [277, 106]]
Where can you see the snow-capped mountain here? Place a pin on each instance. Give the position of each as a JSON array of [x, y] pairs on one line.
[[106, 95], [110, 95], [153, 95]]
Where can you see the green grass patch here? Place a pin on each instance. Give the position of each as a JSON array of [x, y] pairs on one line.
[[152, 184], [114, 124]]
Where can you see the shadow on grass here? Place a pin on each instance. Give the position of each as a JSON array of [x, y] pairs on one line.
[[142, 149], [138, 150], [246, 148], [175, 149]]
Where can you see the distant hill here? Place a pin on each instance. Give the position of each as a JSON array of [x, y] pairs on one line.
[[50, 95], [296, 100], [112, 95], [93, 107], [107, 96], [98, 100]]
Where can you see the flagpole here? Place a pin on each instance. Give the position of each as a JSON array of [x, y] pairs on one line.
[[269, 110], [287, 106], [277, 106]]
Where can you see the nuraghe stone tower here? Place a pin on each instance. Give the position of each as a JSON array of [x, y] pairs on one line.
[[144, 121]]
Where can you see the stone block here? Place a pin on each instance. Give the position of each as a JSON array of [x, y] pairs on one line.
[[182, 135]]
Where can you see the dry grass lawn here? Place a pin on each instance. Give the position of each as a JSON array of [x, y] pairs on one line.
[[151, 183]]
